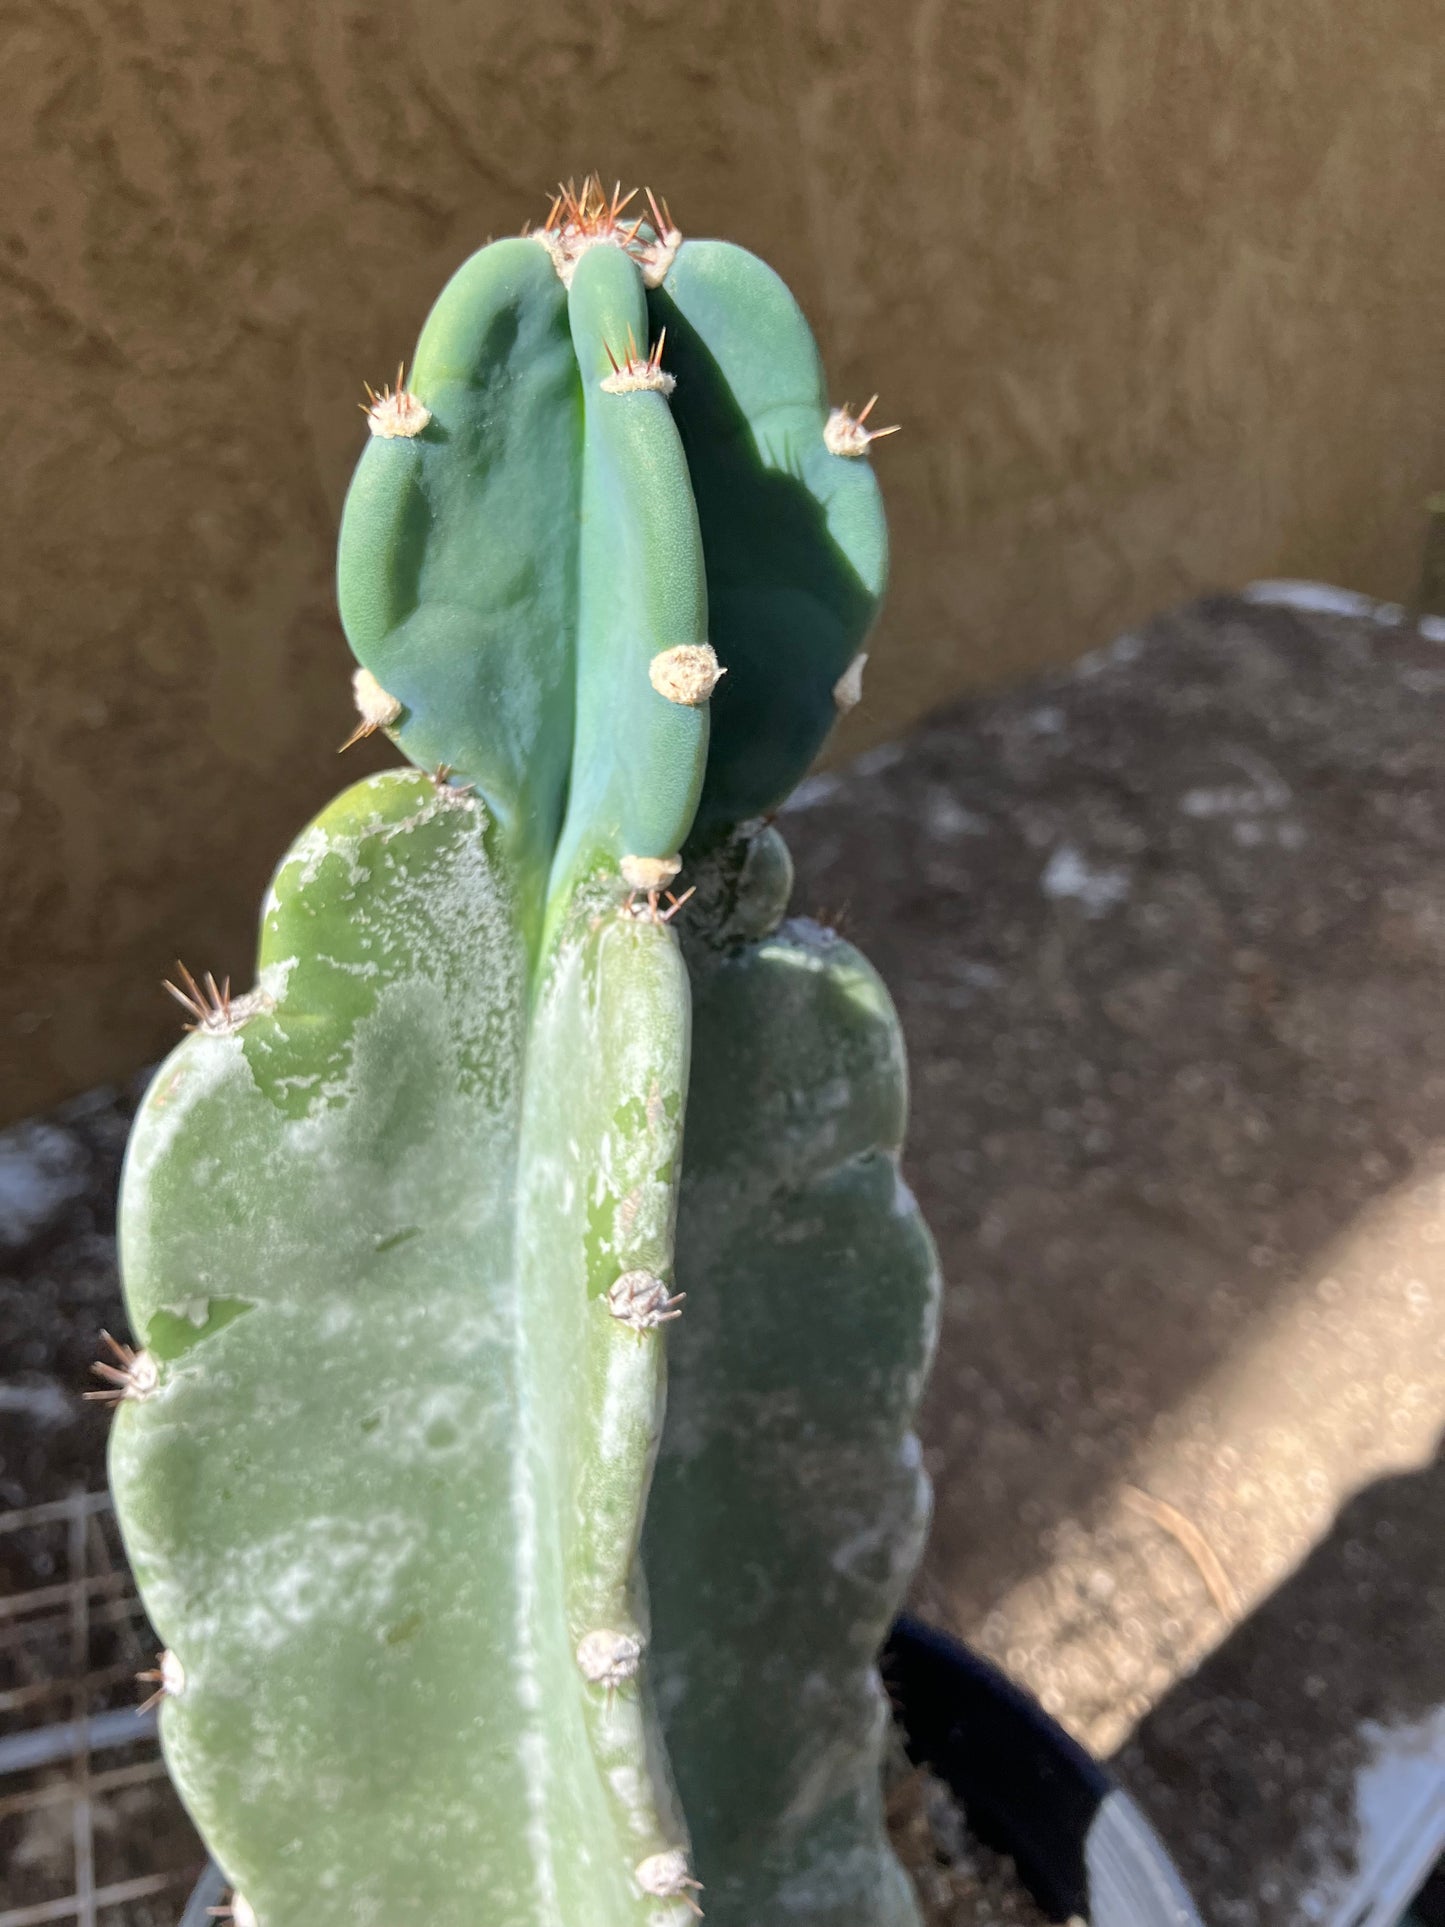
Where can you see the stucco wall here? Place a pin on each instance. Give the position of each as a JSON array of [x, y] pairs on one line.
[[1156, 289]]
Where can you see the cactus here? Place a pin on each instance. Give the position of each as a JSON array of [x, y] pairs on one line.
[[789, 1505], [397, 1226]]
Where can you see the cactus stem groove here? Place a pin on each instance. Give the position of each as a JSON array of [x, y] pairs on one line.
[[848, 434]]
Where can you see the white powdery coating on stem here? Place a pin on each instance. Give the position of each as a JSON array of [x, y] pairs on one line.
[[225, 1023], [649, 872], [173, 1675], [609, 1659], [297, 1576], [687, 674], [848, 690], [243, 1914]]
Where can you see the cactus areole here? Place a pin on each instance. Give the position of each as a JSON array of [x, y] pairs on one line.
[[538, 1091]]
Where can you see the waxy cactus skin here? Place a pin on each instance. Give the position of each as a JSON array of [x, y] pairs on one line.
[[400, 1227]]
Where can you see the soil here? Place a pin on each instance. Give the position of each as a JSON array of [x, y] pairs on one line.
[[959, 1881], [1167, 936]]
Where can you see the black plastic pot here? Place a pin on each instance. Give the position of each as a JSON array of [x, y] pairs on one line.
[[1080, 1844]]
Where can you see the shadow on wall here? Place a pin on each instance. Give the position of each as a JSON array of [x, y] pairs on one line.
[[1165, 935]]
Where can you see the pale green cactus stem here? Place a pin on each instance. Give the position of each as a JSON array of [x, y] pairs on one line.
[[390, 1478], [397, 1227]]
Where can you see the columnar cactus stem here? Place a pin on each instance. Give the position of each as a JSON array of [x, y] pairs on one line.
[[397, 1226]]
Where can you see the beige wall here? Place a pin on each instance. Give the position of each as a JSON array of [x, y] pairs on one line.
[[1156, 287]]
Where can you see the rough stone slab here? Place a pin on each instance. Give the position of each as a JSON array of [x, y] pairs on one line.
[[1168, 938]]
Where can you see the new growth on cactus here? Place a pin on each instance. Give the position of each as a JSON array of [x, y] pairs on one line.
[[537, 1090]]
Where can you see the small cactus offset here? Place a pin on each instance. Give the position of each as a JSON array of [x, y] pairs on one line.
[[534, 1088]]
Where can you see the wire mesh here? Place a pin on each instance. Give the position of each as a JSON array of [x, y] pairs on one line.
[[90, 1830]]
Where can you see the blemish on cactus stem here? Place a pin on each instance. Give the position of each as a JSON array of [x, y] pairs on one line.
[[376, 707], [133, 1375], [163, 1097], [642, 1301], [609, 1659], [638, 374], [848, 690], [626, 1217], [394, 413], [846, 434], [687, 674], [665, 1877], [168, 1677], [212, 1007]]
